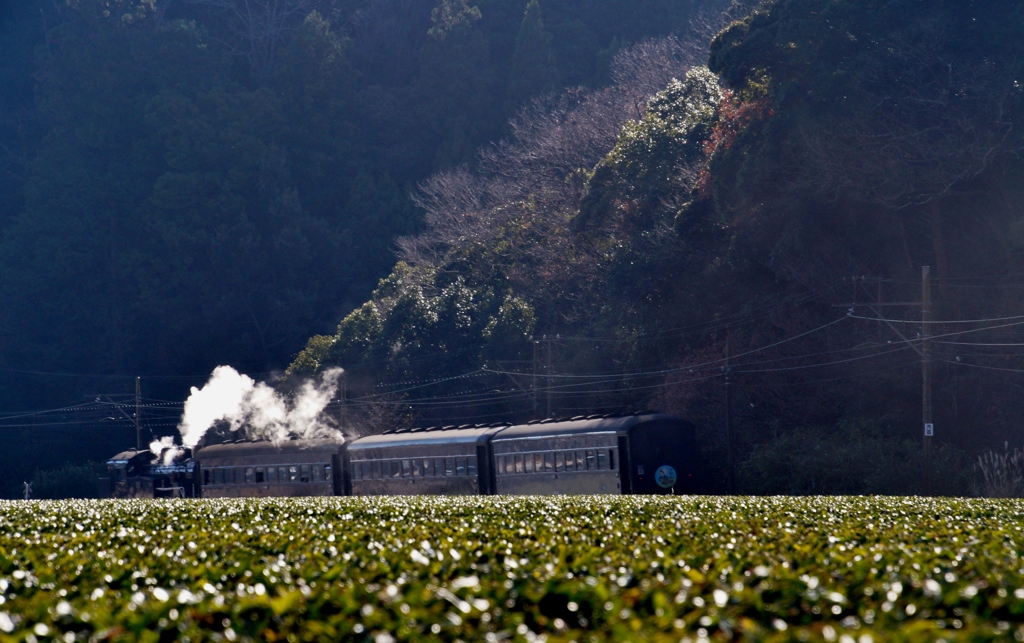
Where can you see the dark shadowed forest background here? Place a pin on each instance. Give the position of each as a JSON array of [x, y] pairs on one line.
[[505, 209]]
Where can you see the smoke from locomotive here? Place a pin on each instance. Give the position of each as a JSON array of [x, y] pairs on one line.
[[255, 410]]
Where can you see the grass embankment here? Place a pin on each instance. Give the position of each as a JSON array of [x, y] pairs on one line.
[[580, 568]]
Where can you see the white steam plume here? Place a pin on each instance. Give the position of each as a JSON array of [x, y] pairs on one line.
[[168, 448], [258, 411]]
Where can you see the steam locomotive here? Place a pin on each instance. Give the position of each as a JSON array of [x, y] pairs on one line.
[[642, 453]]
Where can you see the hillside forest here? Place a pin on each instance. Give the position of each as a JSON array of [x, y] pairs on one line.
[[509, 209]]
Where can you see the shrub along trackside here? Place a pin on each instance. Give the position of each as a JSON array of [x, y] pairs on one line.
[[571, 568]]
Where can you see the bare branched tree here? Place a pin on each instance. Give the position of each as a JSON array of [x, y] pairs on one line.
[[532, 181], [259, 28]]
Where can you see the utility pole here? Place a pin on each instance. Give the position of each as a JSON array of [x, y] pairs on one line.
[[343, 410], [533, 380], [926, 374], [924, 350], [138, 404], [549, 377], [728, 420]]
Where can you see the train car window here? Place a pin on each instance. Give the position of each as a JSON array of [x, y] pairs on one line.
[[549, 461], [519, 462], [304, 473], [510, 464], [591, 460], [318, 473], [406, 469], [417, 470], [282, 474], [261, 475], [206, 476], [581, 461], [538, 462], [218, 476], [293, 473], [559, 461], [460, 466], [499, 465], [602, 459], [327, 473], [271, 474], [396, 469], [449, 467], [471, 465], [611, 460], [438, 467], [428, 468], [528, 463], [375, 469]]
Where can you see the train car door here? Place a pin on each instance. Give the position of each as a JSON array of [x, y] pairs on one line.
[[662, 457]]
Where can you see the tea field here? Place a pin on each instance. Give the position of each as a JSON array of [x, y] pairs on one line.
[[511, 568]]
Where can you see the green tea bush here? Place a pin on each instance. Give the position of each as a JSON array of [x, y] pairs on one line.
[[584, 568], [850, 460], [69, 481]]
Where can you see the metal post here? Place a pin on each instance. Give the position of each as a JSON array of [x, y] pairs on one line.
[[926, 374], [138, 401], [728, 420]]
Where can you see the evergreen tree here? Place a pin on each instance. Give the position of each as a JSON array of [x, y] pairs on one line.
[[533, 62]]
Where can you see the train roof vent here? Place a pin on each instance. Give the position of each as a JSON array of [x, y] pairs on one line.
[[534, 422], [578, 417], [401, 431], [418, 429], [596, 416], [466, 426], [549, 421], [450, 427]]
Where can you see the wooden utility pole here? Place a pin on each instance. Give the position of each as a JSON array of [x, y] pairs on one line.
[[926, 374], [924, 350], [533, 380], [343, 408], [547, 376], [548, 396], [728, 420], [138, 404]]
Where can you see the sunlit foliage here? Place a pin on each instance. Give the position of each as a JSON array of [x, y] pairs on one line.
[[524, 569]]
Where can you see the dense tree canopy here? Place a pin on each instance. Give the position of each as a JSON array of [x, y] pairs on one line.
[[830, 150], [590, 204], [194, 182]]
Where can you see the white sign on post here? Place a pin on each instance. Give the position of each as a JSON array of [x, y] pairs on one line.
[[929, 429]]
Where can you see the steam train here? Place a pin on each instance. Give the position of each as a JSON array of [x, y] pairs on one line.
[[642, 453]]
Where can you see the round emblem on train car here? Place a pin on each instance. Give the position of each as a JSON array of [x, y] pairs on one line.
[[665, 476]]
